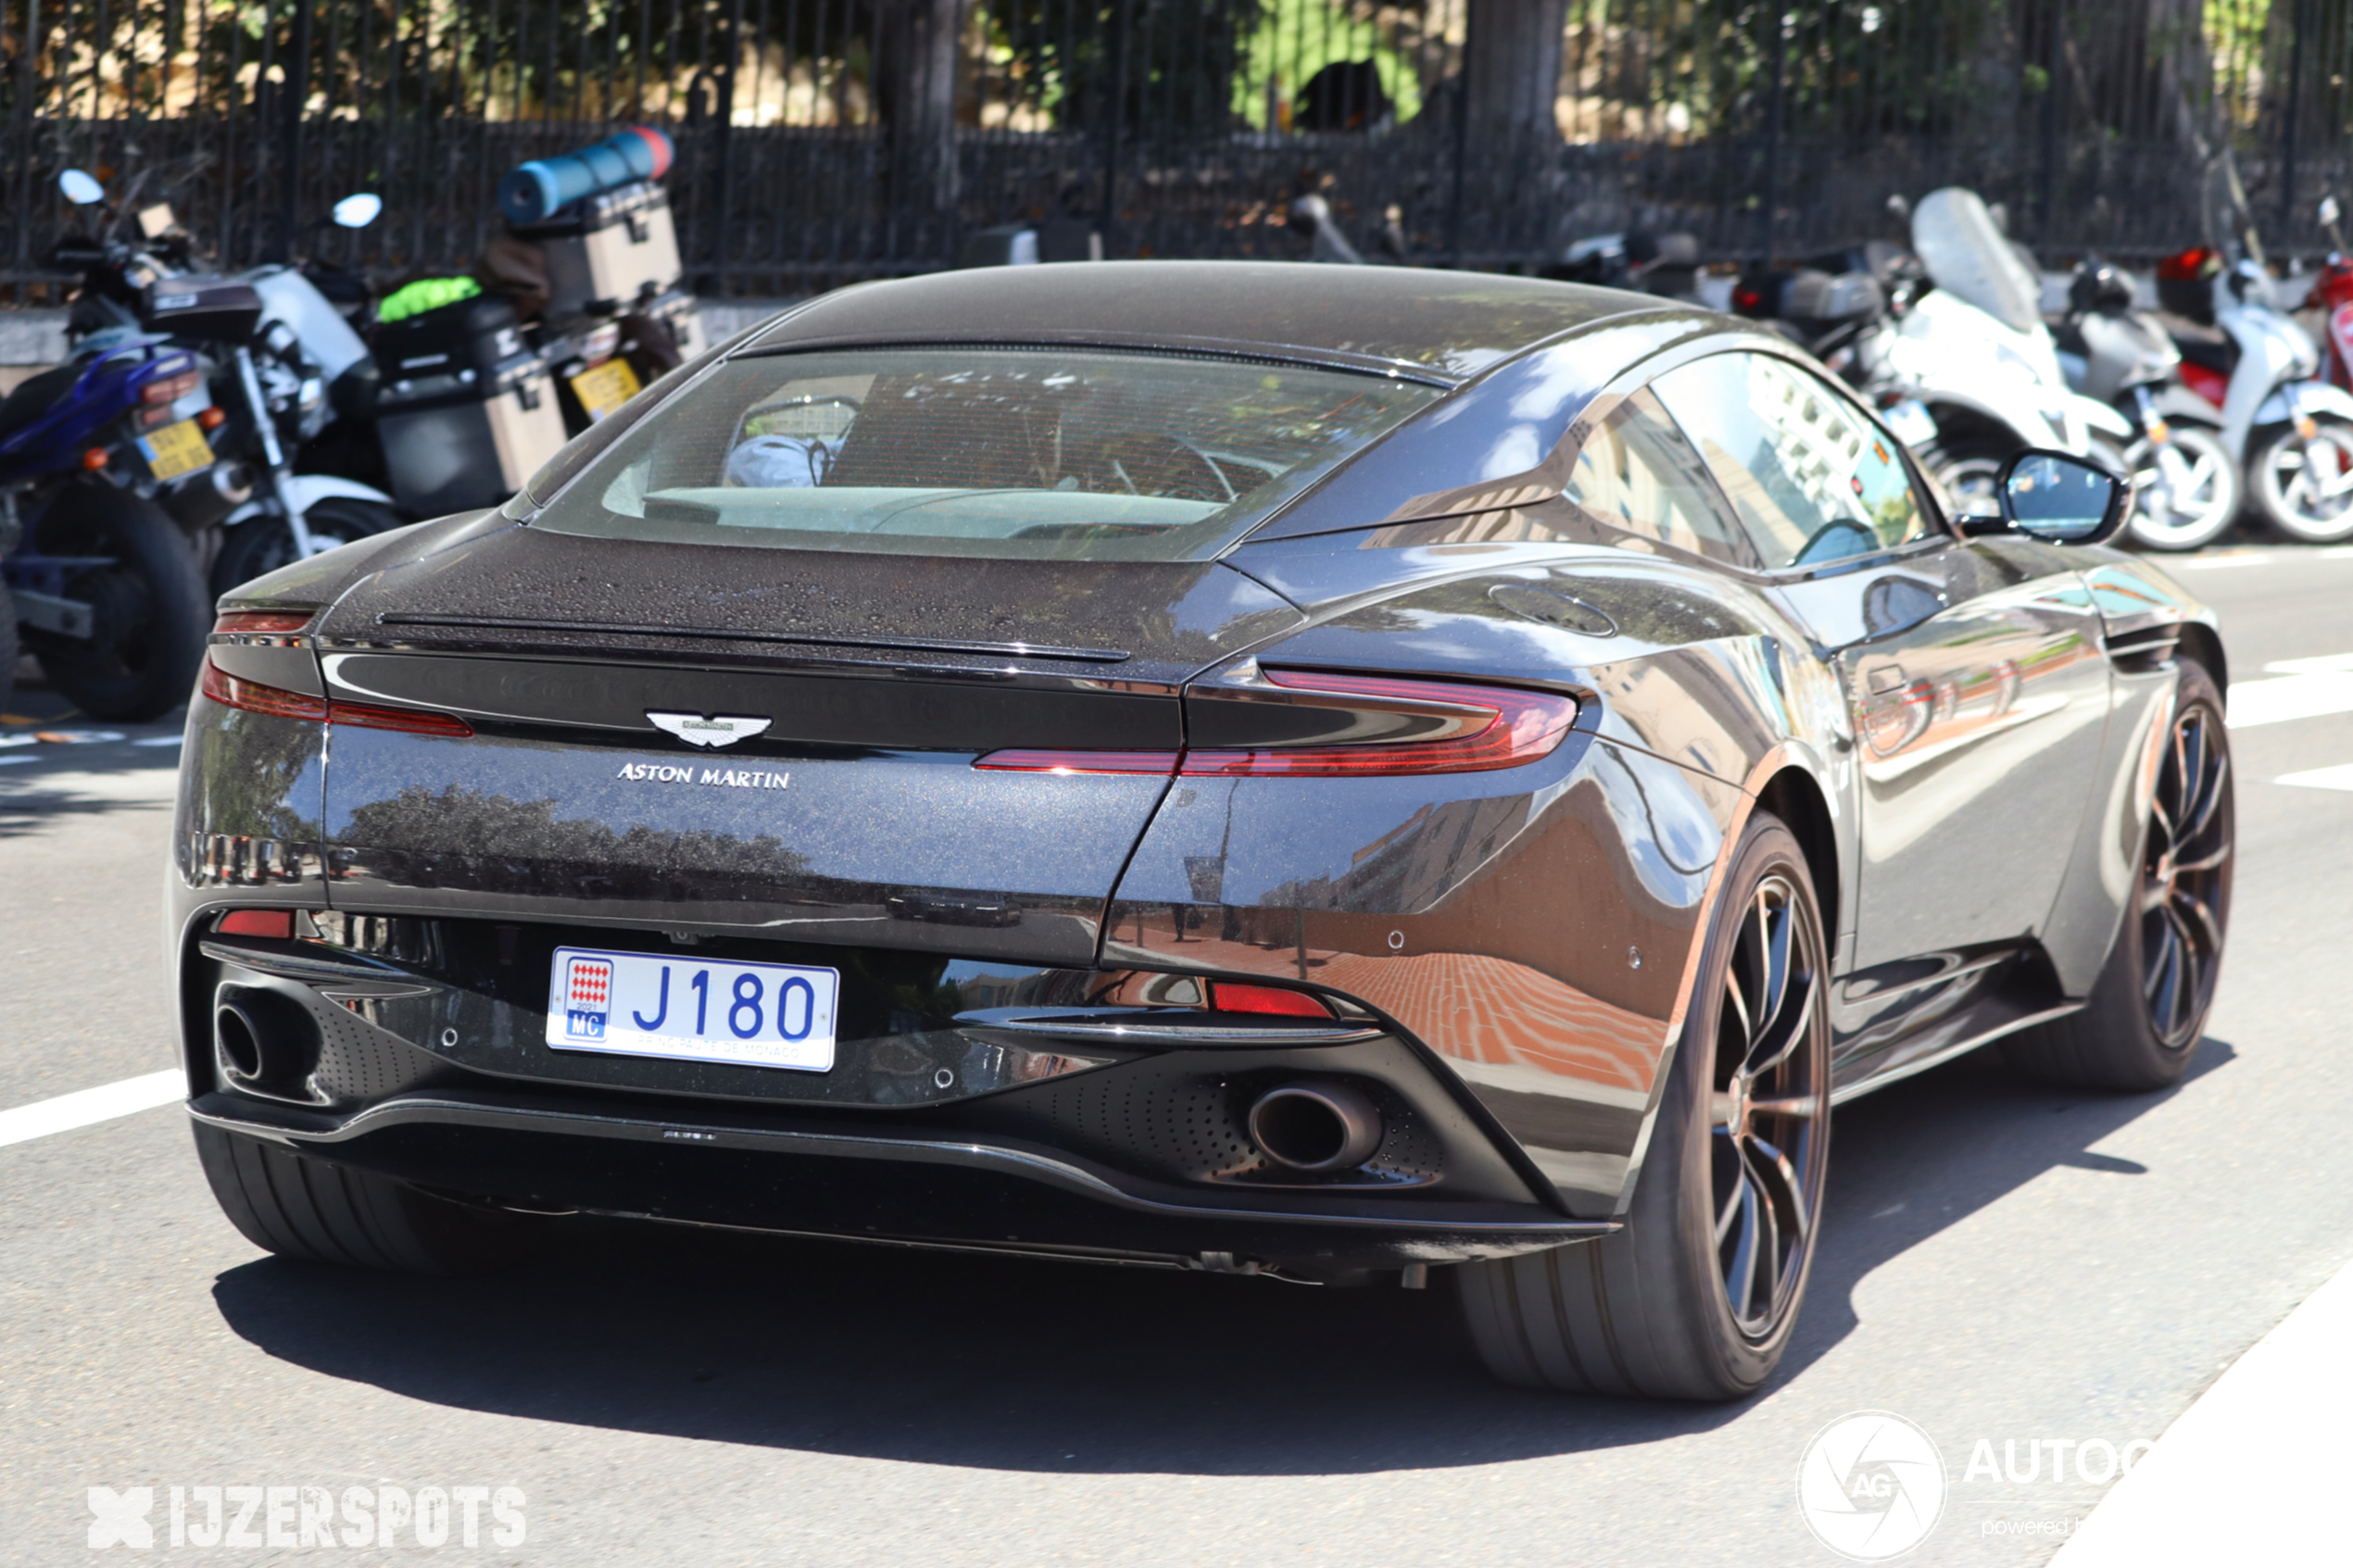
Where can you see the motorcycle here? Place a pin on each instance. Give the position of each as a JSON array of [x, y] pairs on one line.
[[275, 383], [2258, 371], [1974, 353], [1948, 342], [2331, 295], [103, 582], [2187, 489]]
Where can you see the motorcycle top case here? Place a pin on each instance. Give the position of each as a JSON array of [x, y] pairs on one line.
[[210, 309], [466, 411], [608, 252], [478, 334]]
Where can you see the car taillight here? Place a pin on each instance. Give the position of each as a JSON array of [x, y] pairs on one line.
[[1493, 727], [170, 389], [1280, 1001], [257, 922], [1481, 728], [1163, 762], [246, 622], [233, 691]]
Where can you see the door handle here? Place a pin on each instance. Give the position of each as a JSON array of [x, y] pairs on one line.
[[1887, 678]]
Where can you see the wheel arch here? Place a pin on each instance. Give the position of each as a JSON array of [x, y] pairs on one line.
[[1794, 797], [2199, 642]]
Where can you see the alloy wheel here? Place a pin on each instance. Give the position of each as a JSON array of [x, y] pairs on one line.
[[1766, 1113], [2306, 485], [2186, 877]]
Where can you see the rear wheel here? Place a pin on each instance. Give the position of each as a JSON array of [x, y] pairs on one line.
[[315, 1213], [2185, 493], [1696, 1298], [2147, 1009], [2305, 488], [262, 545], [149, 606]]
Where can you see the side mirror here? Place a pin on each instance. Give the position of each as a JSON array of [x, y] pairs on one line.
[[358, 211], [2061, 499], [81, 189]]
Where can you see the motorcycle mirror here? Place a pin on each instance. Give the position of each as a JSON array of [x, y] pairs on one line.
[[358, 211], [81, 189], [2330, 212], [2061, 499]]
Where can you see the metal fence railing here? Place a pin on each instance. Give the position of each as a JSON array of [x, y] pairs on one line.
[[825, 140]]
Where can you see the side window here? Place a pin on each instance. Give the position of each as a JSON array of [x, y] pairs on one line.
[[1813, 479], [1636, 475]]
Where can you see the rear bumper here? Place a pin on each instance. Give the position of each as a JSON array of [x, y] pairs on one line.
[[829, 1177], [418, 1055]]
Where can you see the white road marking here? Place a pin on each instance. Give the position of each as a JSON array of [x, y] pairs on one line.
[[2247, 1473], [85, 1107], [2289, 697], [160, 740], [2338, 777], [2207, 563]]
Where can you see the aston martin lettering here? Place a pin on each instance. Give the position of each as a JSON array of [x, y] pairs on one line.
[[708, 730], [726, 778]]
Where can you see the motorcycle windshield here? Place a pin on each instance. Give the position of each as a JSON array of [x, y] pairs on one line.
[[1963, 249]]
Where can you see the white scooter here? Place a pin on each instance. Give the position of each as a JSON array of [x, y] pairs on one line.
[[1970, 370], [2292, 432]]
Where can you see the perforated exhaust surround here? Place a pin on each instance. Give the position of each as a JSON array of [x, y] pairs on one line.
[[1176, 1123]]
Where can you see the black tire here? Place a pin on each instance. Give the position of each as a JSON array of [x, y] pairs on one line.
[[8, 647], [261, 545], [152, 611], [315, 1213], [2147, 1009], [1650, 1310], [1965, 471], [2303, 489]]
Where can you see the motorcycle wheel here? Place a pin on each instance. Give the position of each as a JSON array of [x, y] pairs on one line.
[[2305, 488], [1968, 472], [262, 545], [150, 606], [7, 649], [2185, 496]]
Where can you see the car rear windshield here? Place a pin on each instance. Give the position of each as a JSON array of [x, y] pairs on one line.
[[1026, 453]]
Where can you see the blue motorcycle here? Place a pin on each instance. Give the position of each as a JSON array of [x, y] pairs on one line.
[[104, 584]]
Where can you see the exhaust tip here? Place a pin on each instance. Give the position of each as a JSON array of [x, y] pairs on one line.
[[239, 1040], [1315, 1125], [264, 1042]]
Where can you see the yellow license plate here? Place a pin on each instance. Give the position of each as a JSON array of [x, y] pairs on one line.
[[607, 387], [175, 449]]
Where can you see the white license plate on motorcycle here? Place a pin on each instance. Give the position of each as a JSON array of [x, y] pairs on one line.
[[693, 1009]]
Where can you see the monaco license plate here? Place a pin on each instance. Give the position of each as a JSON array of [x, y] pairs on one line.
[[607, 387], [175, 449], [641, 1004]]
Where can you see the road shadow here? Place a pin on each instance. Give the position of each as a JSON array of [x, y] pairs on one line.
[[1010, 1364]]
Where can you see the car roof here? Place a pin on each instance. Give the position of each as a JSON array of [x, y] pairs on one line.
[[1445, 326]]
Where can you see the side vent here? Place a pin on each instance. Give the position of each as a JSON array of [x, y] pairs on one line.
[[2143, 651]]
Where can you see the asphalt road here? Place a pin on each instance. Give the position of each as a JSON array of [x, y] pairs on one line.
[[2001, 1262]]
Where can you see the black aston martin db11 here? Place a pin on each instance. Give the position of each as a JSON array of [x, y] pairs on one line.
[[1354, 774]]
